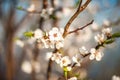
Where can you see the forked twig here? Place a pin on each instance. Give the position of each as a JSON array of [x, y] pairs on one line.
[[79, 10]]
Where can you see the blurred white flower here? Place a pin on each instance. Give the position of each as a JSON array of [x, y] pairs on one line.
[[26, 67], [95, 54], [66, 11], [20, 43], [48, 55], [50, 10], [106, 22], [95, 26], [65, 61], [44, 14], [76, 60], [100, 38], [55, 36], [107, 31], [83, 50], [31, 8], [114, 77], [73, 78], [38, 34], [56, 57], [59, 44]]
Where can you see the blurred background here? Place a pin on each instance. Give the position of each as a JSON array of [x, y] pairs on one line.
[[20, 59]]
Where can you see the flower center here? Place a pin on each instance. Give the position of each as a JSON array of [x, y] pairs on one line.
[[55, 35]]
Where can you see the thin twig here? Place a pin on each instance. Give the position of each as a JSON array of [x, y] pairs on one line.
[[79, 10], [81, 28]]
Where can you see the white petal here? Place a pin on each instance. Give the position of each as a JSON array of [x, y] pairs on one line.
[[96, 39], [92, 56], [48, 55], [74, 59], [93, 50], [99, 56]]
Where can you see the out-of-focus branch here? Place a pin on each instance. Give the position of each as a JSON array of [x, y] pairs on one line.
[[79, 10], [50, 66], [49, 69], [36, 50], [81, 28], [9, 35], [45, 4]]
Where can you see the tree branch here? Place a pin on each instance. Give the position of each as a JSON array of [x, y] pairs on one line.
[[79, 10], [81, 28]]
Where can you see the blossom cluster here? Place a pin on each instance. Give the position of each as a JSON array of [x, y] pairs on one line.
[[51, 39], [64, 61], [45, 13], [94, 52], [100, 38]]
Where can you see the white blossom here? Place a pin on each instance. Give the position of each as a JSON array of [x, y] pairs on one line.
[[31, 8], [106, 22], [66, 11], [76, 59], [95, 54], [48, 55], [100, 38], [20, 43], [107, 31], [38, 34], [55, 35], [73, 78], [65, 61], [50, 10], [44, 14], [59, 44], [26, 67], [114, 77], [83, 50], [95, 26], [56, 57]]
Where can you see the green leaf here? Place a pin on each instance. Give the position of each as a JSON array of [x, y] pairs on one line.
[[19, 8], [53, 17], [65, 74], [65, 69], [116, 35], [109, 41], [29, 34], [77, 75]]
